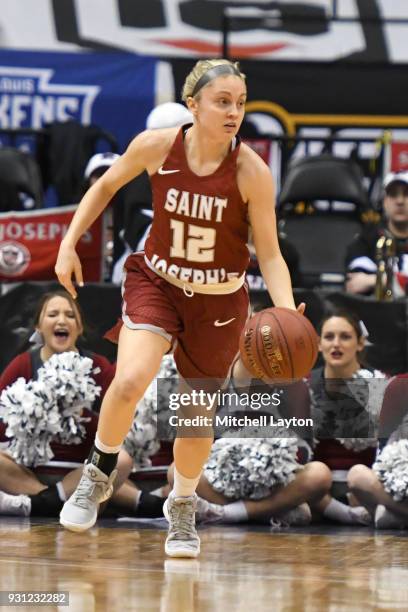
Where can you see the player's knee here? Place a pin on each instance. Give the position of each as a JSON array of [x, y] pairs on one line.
[[360, 477], [6, 461], [318, 478], [129, 387], [5, 457]]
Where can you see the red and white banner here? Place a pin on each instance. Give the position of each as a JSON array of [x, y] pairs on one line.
[[262, 146], [399, 156], [29, 244]]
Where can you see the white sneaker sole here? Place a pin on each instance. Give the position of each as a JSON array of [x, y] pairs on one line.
[[183, 553], [180, 551], [77, 527]]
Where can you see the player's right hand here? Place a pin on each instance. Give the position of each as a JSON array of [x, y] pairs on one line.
[[68, 264]]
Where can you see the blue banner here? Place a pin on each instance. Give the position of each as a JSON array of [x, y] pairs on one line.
[[112, 90]]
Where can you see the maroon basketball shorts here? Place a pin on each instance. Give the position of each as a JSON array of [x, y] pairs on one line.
[[204, 329]]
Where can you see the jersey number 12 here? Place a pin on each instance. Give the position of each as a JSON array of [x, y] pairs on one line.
[[199, 242]]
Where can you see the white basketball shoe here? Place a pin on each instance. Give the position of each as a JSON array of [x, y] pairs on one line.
[[182, 539], [80, 511]]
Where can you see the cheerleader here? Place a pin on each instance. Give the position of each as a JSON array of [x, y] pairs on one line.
[[32, 481], [345, 399], [383, 490]]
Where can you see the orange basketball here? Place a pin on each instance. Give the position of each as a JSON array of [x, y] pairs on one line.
[[279, 343]]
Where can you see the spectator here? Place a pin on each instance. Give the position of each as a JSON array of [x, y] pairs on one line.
[[383, 490], [25, 490], [361, 254], [58, 326], [345, 401], [97, 165]]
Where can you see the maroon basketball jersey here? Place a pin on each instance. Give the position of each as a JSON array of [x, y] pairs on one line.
[[200, 223]]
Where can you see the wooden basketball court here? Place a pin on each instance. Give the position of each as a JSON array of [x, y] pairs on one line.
[[121, 566]]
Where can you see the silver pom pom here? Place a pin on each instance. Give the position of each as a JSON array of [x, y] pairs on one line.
[[141, 443], [248, 468], [358, 444], [31, 413], [50, 408], [69, 375], [391, 467]]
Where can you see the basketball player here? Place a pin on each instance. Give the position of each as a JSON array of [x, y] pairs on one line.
[[187, 290]]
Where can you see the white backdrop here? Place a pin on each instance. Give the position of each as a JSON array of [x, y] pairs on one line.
[[186, 28]]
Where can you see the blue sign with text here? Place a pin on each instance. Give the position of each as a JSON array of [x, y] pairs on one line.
[[112, 90]]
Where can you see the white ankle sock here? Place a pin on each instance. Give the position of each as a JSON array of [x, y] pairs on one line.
[[184, 487], [60, 490], [158, 492], [137, 498], [235, 512], [15, 505], [25, 504], [106, 449]]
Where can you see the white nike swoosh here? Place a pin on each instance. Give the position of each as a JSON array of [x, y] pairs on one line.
[[218, 323], [161, 171]]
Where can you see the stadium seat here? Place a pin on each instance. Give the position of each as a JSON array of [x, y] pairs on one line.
[[20, 181], [321, 231]]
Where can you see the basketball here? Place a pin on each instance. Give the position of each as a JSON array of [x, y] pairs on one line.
[[278, 343]]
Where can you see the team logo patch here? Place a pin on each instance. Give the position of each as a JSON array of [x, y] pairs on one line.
[[95, 458], [161, 171], [218, 323], [14, 258]]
